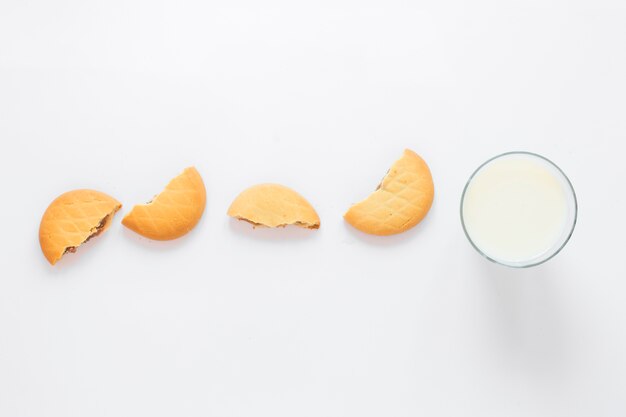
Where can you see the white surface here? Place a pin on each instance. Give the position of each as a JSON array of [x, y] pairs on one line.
[[518, 209], [120, 96]]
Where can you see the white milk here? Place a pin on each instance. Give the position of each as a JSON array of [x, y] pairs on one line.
[[517, 209]]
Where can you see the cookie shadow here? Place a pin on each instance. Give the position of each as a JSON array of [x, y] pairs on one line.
[[391, 240], [82, 255], [158, 245], [279, 234]]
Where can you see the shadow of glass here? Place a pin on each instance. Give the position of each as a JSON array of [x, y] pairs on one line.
[[525, 319]]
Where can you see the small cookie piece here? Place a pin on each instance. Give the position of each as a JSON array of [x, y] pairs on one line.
[[273, 205], [72, 219], [173, 212], [400, 202]]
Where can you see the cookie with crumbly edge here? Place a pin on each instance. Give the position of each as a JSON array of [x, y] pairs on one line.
[[400, 202], [274, 205], [172, 213], [72, 219]]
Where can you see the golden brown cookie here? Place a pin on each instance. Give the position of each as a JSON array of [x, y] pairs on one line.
[[173, 212], [401, 200], [72, 219], [274, 205]]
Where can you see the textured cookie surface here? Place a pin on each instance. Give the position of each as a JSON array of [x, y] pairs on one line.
[[172, 213], [401, 201], [72, 219], [274, 205]]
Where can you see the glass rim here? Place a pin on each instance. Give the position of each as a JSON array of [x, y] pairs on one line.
[[569, 185]]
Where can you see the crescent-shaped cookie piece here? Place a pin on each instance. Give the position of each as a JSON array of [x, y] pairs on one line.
[[173, 212], [274, 205], [72, 219], [401, 201]]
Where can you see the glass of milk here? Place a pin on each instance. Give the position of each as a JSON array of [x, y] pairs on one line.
[[518, 209]]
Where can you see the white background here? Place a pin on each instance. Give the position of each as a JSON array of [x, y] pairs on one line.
[[120, 96]]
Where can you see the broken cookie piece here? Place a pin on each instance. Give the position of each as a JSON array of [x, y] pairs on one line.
[[97, 230], [401, 200], [172, 213], [273, 205], [72, 219]]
